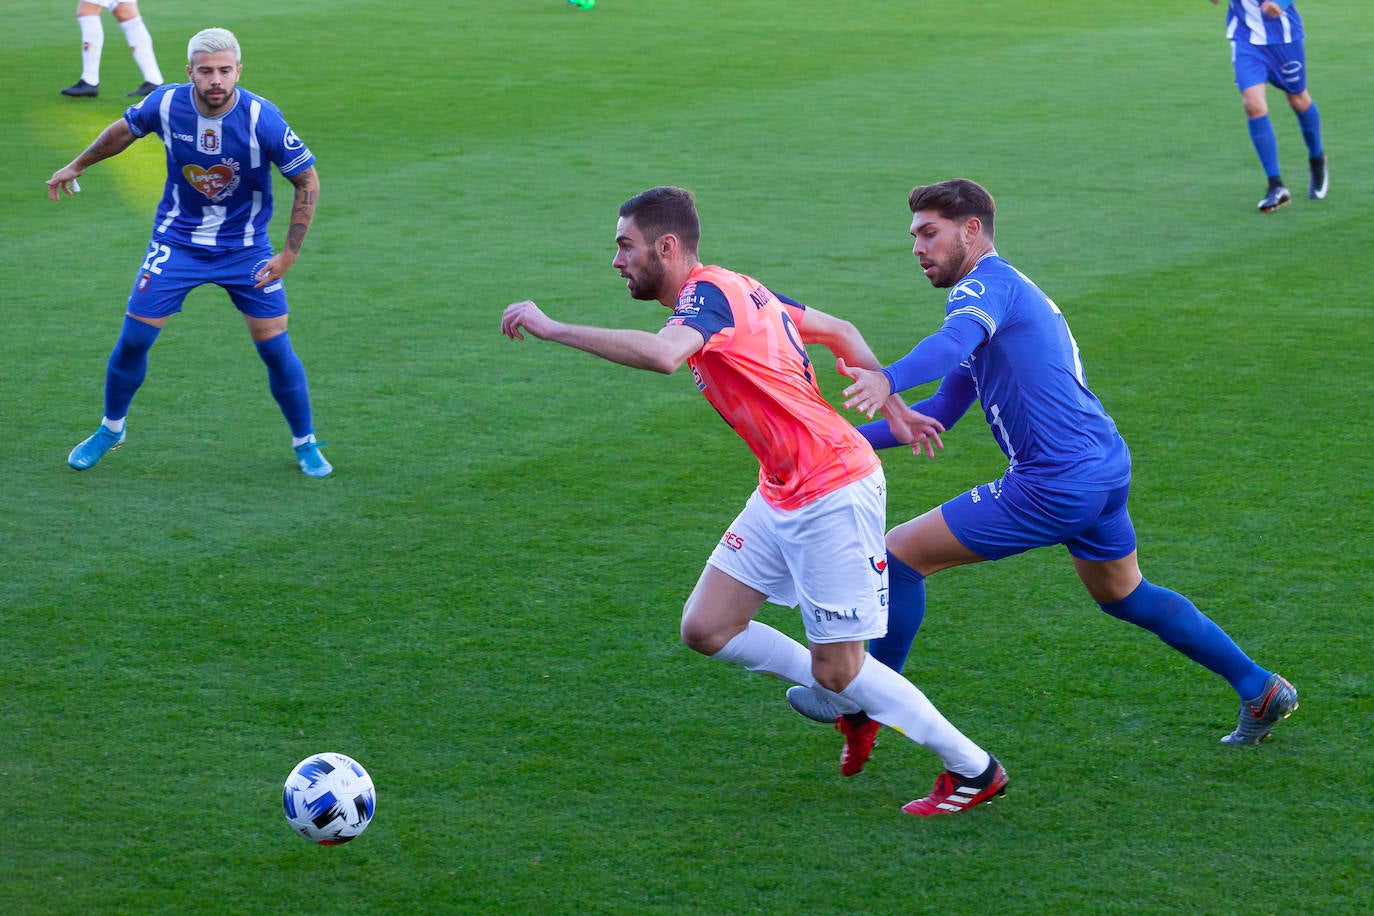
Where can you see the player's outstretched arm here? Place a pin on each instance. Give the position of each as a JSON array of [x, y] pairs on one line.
[[845, 341], [307, 185], [112, 141], [662, 352]]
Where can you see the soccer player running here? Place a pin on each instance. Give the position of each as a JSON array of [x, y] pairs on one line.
[[811, 534], [1006, 344], [1267, 46], [211, 227]]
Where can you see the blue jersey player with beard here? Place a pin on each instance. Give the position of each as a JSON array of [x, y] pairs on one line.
[[222, 144], [1005, 344]]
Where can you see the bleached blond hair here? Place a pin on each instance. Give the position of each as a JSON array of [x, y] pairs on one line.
[[212, 40]]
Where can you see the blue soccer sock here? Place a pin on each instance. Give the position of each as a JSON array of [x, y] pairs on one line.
[[1310, 121], [128, 366], [1176, 621], [906, 608], [286, 378], [1266, 144]]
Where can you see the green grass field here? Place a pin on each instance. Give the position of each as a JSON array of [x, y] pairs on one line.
[[481, 605]]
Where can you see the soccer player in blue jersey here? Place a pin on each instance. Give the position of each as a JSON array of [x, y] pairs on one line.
[[1005, 344], [222, 143], [1267, 47]]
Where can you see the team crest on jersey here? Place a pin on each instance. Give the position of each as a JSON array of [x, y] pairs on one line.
[[208, 141], [217, 182]]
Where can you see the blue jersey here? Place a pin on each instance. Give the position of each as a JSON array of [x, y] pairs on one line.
[[1029, 379], [219, 170], [1245, 24]]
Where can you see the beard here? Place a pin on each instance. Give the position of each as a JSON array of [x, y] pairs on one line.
[[943, 276], [649, 281]]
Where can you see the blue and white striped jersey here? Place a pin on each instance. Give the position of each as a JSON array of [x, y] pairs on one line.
[[219, 170], [1247, 25]]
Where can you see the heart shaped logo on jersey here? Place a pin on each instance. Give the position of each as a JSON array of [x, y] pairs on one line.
[[211, 181]]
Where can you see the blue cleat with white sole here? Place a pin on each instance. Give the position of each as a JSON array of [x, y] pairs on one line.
[[93, 449], [311, 461]]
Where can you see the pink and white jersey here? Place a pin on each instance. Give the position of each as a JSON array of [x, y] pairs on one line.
[[755, 372]]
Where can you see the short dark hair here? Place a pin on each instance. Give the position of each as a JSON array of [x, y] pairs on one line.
[[956, 199], [660, 211]]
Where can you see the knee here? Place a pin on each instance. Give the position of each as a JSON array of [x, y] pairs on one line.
[[699, 635], [835, 672]]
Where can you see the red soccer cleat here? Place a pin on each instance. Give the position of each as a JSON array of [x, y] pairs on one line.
[[954, 793], [859, 734]]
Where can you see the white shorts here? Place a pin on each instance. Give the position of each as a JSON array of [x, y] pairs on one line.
[[828, 558], [107, 4]]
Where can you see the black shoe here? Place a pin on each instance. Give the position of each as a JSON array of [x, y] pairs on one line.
[[82, 89], [144, 88], [1278, 196], [1316, 185]]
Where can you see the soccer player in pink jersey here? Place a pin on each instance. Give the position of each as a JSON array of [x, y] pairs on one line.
[[811, 535]]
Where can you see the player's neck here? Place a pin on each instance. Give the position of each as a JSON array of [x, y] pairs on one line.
[[674, 279]]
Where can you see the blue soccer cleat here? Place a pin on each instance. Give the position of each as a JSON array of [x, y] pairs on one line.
[[93, 449], [1278, 196], [311, 461], [1259, 716]]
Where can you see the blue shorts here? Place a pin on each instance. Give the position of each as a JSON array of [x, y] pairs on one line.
[[1283, 65], [1010, 516], [170, 272]]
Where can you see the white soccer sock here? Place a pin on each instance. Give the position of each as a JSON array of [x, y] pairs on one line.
[[92, 40], [759, 647], [114, 426], [141, 44], [897, 703]]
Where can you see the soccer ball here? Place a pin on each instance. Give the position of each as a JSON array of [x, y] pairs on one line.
[[329, 799]]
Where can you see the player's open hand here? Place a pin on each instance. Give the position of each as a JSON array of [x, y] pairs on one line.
[[916, 429], [64, 179], [275, 268], [520, 317], [869, 391]]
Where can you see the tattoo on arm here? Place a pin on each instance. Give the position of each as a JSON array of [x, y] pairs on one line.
[[302, 210]]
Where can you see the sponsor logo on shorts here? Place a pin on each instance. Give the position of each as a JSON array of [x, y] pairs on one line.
[[824, 615], [143, 281], [879, 564], [733, 541]]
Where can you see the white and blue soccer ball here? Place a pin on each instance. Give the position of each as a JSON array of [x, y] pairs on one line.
[[329, 799]]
